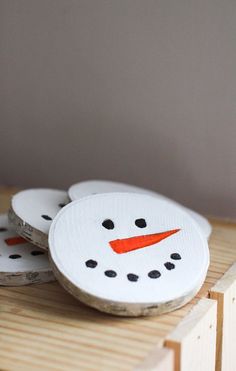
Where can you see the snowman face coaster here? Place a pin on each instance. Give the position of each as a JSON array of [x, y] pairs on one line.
[[32, 212], [21, 263], [128, 254], [92, 187]]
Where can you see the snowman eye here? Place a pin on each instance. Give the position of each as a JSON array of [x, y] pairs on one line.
[[108, 224], [141, 223]]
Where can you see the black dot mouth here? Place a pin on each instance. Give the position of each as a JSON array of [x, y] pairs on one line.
[[154, 274], [37, 252], [46, 217], [110, 273], [15, 256], [169, 266], [91, 263], [132, 277], [18, 256], [175, 256]]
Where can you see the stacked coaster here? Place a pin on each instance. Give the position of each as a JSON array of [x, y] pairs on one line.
[[24, 237], [21, 262], [121, 249]]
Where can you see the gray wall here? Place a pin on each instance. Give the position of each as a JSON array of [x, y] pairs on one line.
[[137, 91]]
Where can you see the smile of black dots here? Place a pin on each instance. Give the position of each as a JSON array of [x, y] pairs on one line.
[[134, 277], [17, 256]]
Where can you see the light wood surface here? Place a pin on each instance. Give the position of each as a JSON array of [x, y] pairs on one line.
[[159, 359], [43, 327], [224, 291], [194, 338]]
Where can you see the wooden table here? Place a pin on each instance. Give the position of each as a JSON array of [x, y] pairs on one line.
[[42, 327]]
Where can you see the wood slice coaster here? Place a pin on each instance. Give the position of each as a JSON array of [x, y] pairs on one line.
[[92, 187], [128, 254], [21, 263], [32, 211]]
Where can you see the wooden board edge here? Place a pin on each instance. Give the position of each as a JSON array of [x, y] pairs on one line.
[[224, 291], [196, 328], [159, 359]]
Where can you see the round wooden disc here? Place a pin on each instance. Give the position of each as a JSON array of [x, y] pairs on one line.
[[21, 263], [32, 211], [128, 254], [92, 187]]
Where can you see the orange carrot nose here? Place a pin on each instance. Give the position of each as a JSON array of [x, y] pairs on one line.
[[123, 245], [12, 241]]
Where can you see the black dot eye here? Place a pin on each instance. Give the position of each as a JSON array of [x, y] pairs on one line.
[[108, 224], [62, 205], [46, 217], [14, 256], [141, 223], [36, 252], [2, 229]]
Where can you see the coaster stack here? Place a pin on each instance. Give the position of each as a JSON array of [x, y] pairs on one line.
[[21, 262], [118, 248]]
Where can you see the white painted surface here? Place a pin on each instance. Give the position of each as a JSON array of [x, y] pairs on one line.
[[90, 187], [21, 263], [32, 204], [78, 236]]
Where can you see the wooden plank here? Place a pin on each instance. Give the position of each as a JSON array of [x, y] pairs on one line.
[[224, 291], [194, 339], [159, 359]]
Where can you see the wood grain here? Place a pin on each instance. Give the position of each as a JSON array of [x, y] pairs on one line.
[[159, 359], [43, 327], [194, 339], [224, 291]]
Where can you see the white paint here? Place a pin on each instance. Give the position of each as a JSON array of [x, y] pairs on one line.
[[77, 235], [90, 187], [30, 205], [28, 268]]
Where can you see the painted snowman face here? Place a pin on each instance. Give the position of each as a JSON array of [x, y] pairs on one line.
[[21, 262], [128, 254], [32, 212], [92, 187]]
